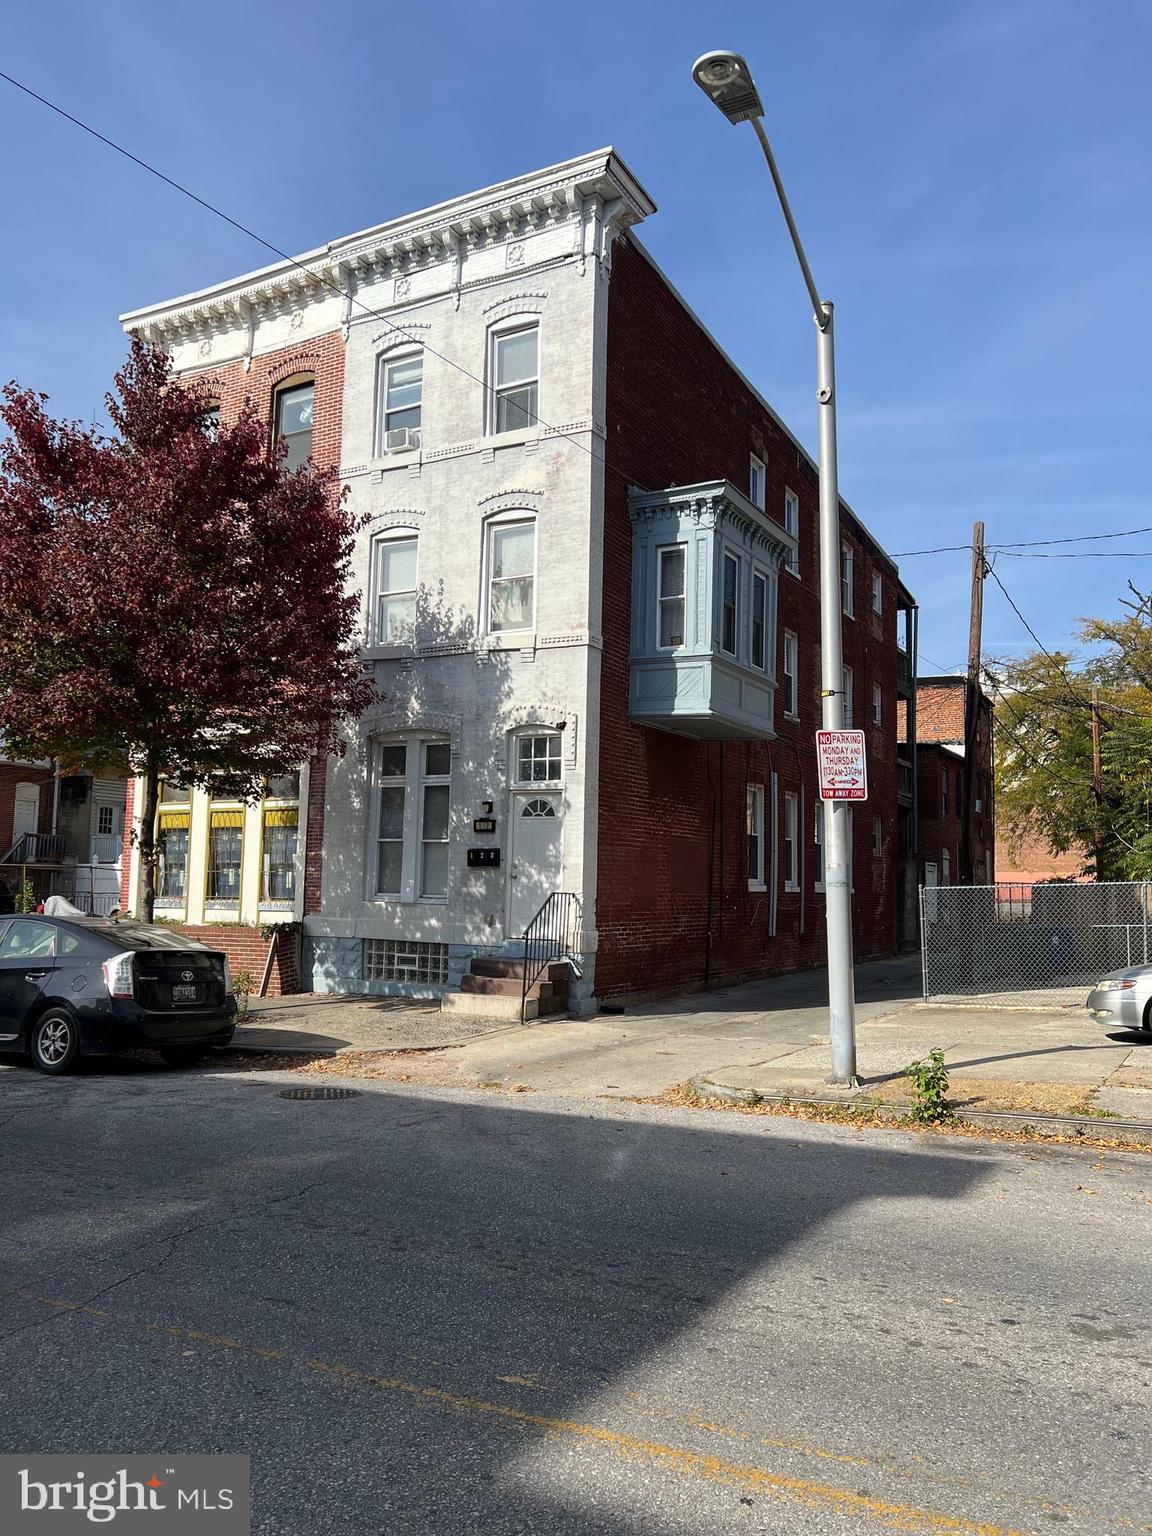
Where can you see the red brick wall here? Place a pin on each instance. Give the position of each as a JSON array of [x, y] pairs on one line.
[[673, 903], [940, 828], [247, 950], [323, 358], [12, 774]]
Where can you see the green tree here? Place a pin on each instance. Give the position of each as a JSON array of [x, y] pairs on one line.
[[1045, 782]]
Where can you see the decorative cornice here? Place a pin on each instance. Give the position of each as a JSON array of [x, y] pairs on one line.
[[576, 192], [711, 503]]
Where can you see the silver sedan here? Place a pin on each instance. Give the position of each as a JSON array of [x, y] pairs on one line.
[[1123, 999]]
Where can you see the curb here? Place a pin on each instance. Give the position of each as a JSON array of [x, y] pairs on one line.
[[1138, 1132]]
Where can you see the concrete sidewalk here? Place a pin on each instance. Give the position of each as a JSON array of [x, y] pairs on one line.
[[768, 1036]]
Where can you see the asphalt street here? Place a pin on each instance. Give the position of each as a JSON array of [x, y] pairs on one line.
[[447, 1311]]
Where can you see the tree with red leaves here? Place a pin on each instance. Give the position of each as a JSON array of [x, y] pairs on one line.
[[173, 603]]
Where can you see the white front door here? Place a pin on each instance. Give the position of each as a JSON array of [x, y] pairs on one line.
[[536, 863], [26, 811]]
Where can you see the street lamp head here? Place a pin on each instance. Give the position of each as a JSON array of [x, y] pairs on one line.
[[726, 78]]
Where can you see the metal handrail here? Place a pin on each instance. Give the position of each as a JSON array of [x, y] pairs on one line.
[[552, 935]]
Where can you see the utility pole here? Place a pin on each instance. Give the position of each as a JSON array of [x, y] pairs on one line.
[[972, 697], [1097, 777]]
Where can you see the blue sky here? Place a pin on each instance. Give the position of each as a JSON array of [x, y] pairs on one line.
[[972, 181]]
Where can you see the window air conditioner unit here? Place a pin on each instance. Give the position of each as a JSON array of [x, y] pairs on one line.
[[402, 440]]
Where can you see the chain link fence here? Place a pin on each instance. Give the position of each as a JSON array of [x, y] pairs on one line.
[[985, 940]]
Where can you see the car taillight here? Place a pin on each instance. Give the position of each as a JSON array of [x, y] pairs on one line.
[[229, 990], [118, 975]]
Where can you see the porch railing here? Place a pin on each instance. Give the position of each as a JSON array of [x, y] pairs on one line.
[[36, 848], [553, 935]]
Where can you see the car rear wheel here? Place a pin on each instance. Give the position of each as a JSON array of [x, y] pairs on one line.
[[55, 1042], [181, 1055], [1147, 1019]]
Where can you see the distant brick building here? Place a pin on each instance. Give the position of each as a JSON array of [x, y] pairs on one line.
[[940, 785], [590, 594]]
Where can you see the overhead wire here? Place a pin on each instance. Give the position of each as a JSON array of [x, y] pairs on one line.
[[327, 282]]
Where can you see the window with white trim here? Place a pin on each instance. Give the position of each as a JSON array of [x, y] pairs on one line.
[[792, 526], [670, 596], [755, 837], [510, 563], [399, 399], [730, 605], [759, 631], [847, 580], [877, 592], [412, 815], [791, 846], [849, 697], [514, 376], [818, 846], [790, 670], [293, 418], [877, 704], [757, 482], [394, 581], [538, 759]]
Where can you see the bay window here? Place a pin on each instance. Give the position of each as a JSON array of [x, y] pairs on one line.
[[759, 617], [172, 830], [670, 596], [730, 600], [225, 847]]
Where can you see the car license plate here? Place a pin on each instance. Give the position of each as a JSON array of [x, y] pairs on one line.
[[183, 994]]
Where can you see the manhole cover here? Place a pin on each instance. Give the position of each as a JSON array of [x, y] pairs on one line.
[[319, 1093]]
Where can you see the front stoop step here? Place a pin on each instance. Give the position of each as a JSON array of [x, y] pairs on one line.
[[493, 988]]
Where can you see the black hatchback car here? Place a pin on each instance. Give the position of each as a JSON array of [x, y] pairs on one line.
[[77, 986]]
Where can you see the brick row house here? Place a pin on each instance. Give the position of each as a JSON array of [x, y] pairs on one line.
[[589, 579], [940, 760]]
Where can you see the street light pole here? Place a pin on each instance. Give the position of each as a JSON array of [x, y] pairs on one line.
[[727, 80]]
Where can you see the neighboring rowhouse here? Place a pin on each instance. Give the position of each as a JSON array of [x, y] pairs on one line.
[[940, 785], [60, 832], [589, 574]]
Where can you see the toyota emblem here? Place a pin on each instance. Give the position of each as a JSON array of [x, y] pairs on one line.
[[187, 976]]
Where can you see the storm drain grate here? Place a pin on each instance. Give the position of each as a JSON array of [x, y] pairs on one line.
[[319, 1093]]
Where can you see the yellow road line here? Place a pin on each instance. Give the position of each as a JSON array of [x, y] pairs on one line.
[[900, 1517]]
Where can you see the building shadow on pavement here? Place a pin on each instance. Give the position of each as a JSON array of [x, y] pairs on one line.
[[463, 1276]]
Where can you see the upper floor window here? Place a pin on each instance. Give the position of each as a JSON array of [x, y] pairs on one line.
[[944, 791], [757, 482], [849, 701], [759, 617], [730, 617], [511, 578], [294, 403], [877, 704], [847, 580], [395, 587], [792, 526], [400, 392], [211, 423], [791, 671], [514, 374], [670, 596], [877, 592]]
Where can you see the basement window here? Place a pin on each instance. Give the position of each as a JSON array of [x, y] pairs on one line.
[[396, 960]]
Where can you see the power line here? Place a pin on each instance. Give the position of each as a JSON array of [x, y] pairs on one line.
[[1080, 554], [315, 276], [1024, 544]]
